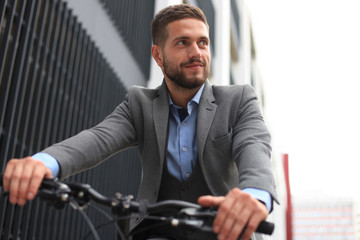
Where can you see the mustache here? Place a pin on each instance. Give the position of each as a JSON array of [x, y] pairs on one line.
[[193, 60]]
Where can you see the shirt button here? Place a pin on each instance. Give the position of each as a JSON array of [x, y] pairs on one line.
[[183, 123], [184, 149], [187, 174]]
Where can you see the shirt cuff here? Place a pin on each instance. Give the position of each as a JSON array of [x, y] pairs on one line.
[[49, 162], [260, 195]]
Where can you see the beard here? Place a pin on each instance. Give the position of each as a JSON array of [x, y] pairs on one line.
[[178, 76]]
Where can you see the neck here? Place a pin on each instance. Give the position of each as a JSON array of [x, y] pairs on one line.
[[180, 96]]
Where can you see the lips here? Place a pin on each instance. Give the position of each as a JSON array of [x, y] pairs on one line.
[[193, 65]]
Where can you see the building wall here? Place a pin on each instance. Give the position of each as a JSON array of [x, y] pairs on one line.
[[324, 218], [121, 29]]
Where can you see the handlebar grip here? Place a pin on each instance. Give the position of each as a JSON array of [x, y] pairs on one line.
[[266, 227]]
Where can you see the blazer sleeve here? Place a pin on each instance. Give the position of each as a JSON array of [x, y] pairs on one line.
[[92, 146], [251, 147]]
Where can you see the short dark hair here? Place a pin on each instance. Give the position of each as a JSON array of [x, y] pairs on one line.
[[172, 13]]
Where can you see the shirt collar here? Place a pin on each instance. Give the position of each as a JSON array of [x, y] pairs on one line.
[[195, 99]]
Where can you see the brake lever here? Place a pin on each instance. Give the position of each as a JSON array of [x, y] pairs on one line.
[[199, 213], [54, 193], [199, 218]]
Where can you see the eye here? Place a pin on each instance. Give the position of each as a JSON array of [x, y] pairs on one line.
[[203, 43], [181, 43]]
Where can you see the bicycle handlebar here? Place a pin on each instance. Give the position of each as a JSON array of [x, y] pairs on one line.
[[58, 194]]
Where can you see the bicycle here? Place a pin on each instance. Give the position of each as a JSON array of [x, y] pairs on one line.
[[159, 220]]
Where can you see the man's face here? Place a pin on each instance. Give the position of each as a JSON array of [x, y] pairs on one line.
[[186, 53]]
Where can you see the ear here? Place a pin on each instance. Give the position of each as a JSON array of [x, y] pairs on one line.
[[156, 53]]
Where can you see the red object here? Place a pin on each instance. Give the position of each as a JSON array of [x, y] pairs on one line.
[[288, 198]]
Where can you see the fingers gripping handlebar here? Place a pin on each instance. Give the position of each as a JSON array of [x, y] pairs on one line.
[[58, 194]]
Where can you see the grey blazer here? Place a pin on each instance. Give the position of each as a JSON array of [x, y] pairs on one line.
[[233, 141]]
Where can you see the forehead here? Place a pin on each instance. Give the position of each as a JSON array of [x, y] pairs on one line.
[[187, 27]]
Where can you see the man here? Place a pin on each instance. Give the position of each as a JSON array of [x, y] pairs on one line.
[[194, 139]]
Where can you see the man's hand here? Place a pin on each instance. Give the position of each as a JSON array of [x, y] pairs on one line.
[[236, 211], [22, 178]]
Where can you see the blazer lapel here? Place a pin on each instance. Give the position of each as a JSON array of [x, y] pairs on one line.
[[207, 110], [161, 119]]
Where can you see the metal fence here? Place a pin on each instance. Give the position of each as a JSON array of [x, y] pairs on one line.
[[54, 82], [132, 19]]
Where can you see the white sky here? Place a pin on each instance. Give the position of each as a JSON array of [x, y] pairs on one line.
[[309, 58]]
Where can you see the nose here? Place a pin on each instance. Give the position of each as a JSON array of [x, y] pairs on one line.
[[194, 51]]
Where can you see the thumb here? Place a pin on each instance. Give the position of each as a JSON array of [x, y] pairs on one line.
[[210, 201], [48, 174]]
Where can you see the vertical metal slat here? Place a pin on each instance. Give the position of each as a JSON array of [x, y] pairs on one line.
[[67, 80], [56, 62], [48, 67], [5, 85], [9, 142], [65, 48]]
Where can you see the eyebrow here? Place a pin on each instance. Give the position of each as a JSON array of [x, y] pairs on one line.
[[186, 37]]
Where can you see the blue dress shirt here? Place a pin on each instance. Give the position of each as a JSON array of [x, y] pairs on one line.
[[182, 143], [49, 162]]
